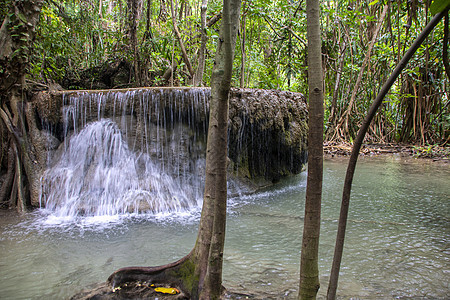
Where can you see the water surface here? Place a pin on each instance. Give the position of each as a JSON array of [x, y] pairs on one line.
[[397, 243]]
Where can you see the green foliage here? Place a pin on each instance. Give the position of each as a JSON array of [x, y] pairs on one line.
[[4, 9], [430, 151], [74, 36], [438, 5]]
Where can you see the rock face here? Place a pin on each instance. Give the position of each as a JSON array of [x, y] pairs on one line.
[[267, 128], [268, 131]]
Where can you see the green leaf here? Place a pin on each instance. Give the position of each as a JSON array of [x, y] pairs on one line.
[[15, 53], [374, 2], [439, 5], [22, 17]]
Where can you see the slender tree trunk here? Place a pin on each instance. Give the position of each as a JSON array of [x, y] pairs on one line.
[[180, 40], [445, 48], [345, 117], [334, 276], [309, 263], [243, 55], [148, 28], [134, 13], [217, 144], [198, 78], [200, 272]]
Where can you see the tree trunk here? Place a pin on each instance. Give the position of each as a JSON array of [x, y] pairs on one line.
[[134, 13], [243, 55], [445, 48], [16, 36], [7, 185], [309, 264], [342, 225], [200, 272], [344, 120], [148, 28], [216, 156], [180, 40], [198, 78]]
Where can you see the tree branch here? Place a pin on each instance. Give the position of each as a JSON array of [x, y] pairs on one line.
[[345, 117], [180, 40], [445, 50], [357, 146], [9, 125]]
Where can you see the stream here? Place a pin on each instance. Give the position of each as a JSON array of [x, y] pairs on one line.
[[397, 242]]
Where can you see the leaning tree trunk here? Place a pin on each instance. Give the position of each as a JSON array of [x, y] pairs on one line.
[[16, 35], [342, 225], [345, 118], [309, 263], [180, 40]]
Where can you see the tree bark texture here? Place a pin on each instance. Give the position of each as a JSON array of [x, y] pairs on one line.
[[243, 53], [200, 272], [180, 40], [198, 78], [309, 264], [134, 14], [16, 36], [216, 156], [342, 225]]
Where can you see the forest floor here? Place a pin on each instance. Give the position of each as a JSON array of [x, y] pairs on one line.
[[432, 152]]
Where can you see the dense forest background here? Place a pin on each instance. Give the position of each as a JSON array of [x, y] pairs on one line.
[[95, 44]]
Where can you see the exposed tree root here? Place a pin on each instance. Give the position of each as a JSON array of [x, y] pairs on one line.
[[7, 185], [140, 282], [136, 290], [177, 280]]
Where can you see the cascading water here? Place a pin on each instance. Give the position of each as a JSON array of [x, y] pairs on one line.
[[143, 150], [98, 175], [124, 159]]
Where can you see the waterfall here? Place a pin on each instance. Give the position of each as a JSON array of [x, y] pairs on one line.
[[119, 157], [143, 150]]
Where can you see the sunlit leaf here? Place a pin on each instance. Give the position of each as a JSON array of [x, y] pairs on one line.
[[439, 5], [171, 291]]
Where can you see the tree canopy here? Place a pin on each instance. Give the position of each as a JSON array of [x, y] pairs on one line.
[[116, 43]]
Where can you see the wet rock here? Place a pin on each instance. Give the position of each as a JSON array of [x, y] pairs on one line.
[[267, 128], [268, 132]]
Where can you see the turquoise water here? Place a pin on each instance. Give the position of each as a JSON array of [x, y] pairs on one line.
[[397, 244]]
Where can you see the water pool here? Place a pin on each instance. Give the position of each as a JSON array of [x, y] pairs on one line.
[[397, 243]]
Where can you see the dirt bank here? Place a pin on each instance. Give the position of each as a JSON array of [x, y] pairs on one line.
[[431, 152]]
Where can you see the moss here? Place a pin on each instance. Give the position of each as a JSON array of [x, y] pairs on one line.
[[185, 272], [242, 169]]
